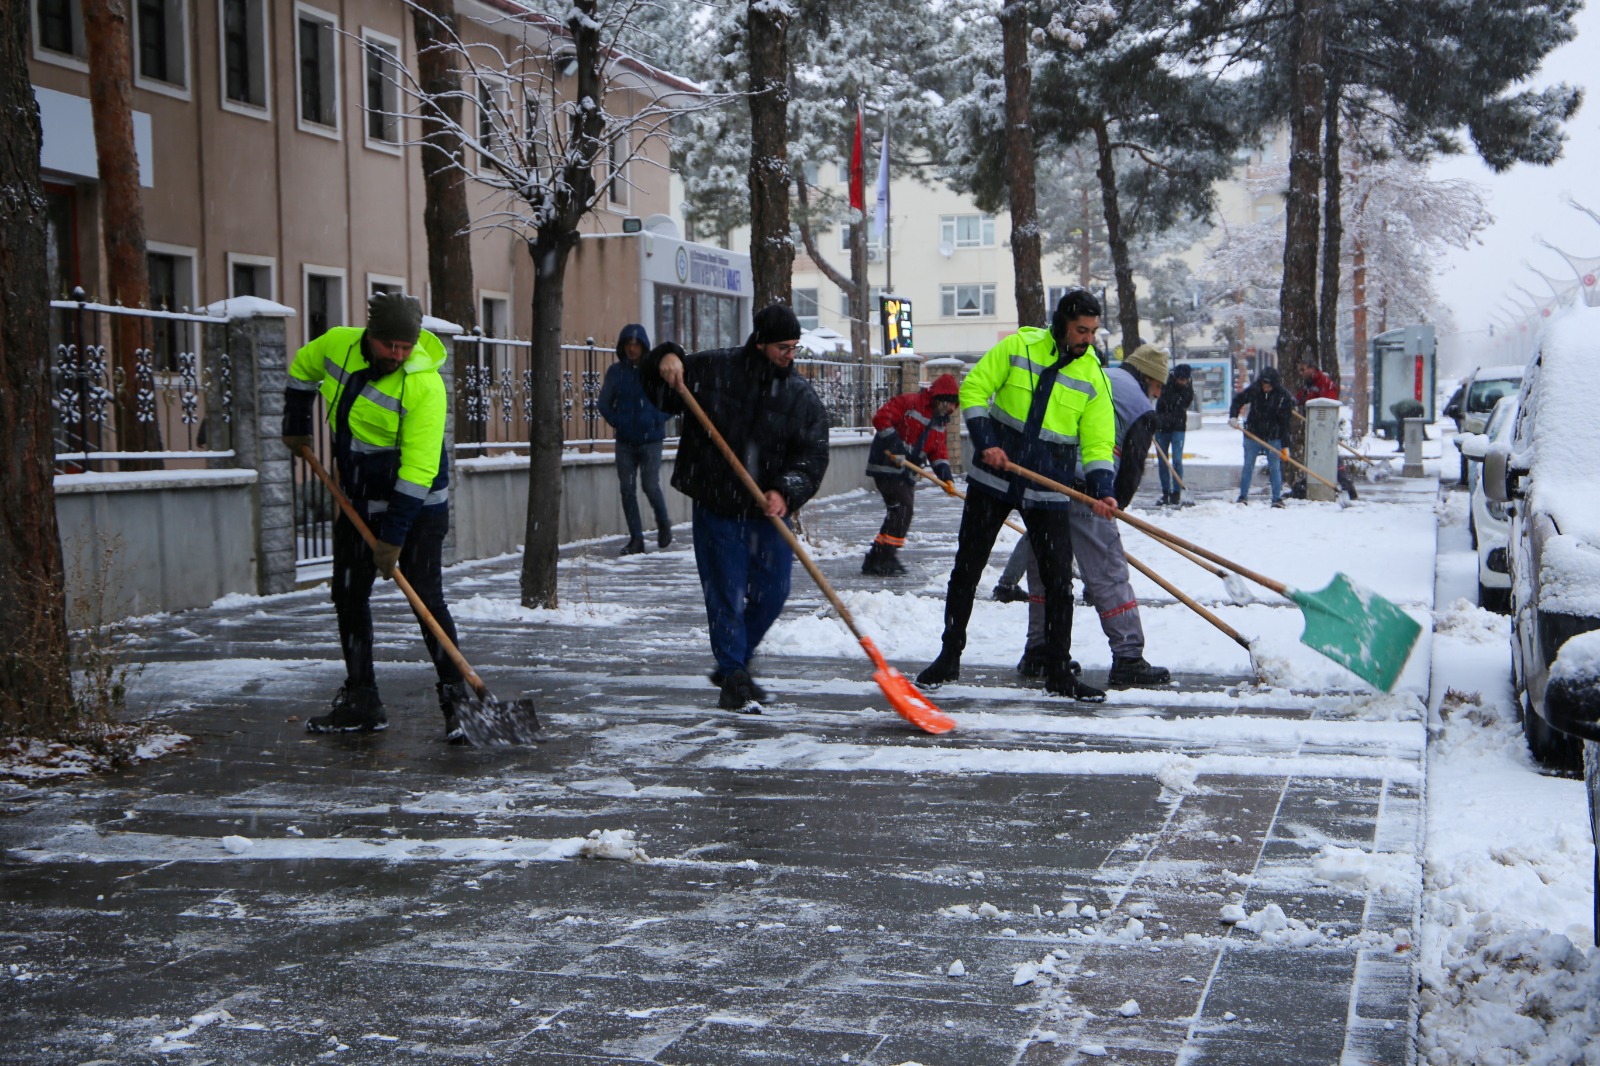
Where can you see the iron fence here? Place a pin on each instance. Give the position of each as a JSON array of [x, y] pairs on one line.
[[135, 388], [851, 392]]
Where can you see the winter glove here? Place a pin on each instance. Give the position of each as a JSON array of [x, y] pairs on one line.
[[294, 442], [384, 556], [1233, 423], [941, 470]]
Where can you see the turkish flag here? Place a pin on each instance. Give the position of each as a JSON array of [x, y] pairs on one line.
[[858, 184]]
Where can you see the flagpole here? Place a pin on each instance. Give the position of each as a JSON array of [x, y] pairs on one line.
[[888, 212]]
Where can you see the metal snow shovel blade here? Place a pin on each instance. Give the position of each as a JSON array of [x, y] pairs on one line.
[[483, 719], [1356, 628], [902, 695]]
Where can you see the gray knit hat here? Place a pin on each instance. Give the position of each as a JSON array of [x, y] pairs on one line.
[[394, 316], [1150, 361]]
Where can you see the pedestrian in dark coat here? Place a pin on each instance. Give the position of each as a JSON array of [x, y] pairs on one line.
[[1271, 407], [910, 426], [1172, 427], [640, 427], [774, 422]]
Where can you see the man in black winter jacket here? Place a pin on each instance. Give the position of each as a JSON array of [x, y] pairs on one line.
[[1172, 426], [775, 424], [1271, 407]]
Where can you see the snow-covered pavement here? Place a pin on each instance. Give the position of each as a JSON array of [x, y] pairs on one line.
[[1228, 871]]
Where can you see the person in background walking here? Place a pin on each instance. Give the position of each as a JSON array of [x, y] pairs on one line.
[[1271, 407], [640, 428], [386, 409], [1040, 399], [1097, 544], [910, 426], [775, 424], [1172, 425]]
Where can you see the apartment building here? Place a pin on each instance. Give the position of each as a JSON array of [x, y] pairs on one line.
[[275, 162]]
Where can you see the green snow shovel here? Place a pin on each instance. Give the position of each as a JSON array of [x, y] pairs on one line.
[[1356, 628]]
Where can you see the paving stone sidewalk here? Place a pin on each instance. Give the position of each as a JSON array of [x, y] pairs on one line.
[[813, 874]]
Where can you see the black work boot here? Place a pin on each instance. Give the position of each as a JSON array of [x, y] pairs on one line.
[[1032, 664], [449, 696], [881, 562], [356, 709], [1061, 680], [664, 537], [739, 693], [760, 694], [635, 546], [891, 562], [947, 667], [1136, 673]]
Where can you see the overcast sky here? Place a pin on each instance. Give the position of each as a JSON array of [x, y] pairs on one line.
[[1527, 202]]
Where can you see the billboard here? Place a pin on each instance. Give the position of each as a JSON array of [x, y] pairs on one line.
[[894, 313]]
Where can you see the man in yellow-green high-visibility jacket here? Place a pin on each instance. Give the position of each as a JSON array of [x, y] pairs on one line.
[[1039, 399], [386, 408]]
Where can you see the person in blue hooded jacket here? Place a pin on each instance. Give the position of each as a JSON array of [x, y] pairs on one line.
[[640, 427]]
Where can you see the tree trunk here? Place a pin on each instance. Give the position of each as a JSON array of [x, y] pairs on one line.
[[1127, 295], [860, 290], [109, 38], [35, 673], [1358, 340], [1026, 243], [445, 218], [1332, 236], [771, 247], [541, 546], [1297, 318]]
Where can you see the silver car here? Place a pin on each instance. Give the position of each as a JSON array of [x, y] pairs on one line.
[[1490, 520]]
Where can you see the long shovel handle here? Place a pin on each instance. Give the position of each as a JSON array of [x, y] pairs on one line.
[[1204, 564], [1283, 453], [1170, 468], [1347, 447], [467, 672], [1155, 531], [761, 499], [1188, 601], [951, 489]]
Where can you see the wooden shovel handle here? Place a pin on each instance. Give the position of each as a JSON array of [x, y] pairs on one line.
[[467, 672], [1170, 468], [1155, 531], [1189, 602], [957, 493], [761, 500], [1283, 453]]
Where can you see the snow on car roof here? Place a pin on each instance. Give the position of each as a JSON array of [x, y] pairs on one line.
[[1565, 440], [1507, 372]]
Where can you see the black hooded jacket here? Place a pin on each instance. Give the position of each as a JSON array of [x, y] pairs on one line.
[[774, 424], [1270, 412], [1172, 408]]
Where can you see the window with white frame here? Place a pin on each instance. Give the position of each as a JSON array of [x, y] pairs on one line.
[[966, 301], [494, 110], [160, 42], [316, 54], [494, 314], [966, 231], [243, 28], [844, 173], [324, 307], [872, 303], [874, 243], [58, 28], [381, 89], [617, 150], [252, 275], [171, 276], [805, 307], [385, 283]]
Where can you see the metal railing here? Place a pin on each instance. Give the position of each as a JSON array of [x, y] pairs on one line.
[[134, 388], [495, 395], [851, 392]]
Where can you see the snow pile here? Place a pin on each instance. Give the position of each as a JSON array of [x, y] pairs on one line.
[[237, 845], [101, 750], [1179, 776], [618, 844], [1383, 873], [487, 609], [1275, 927]]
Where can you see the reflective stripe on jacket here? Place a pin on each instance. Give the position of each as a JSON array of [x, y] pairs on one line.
[[997, 399], [393, 463]]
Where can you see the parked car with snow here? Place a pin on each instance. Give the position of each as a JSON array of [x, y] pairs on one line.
[[1474, 401], [1489, 520], [1546, 473]]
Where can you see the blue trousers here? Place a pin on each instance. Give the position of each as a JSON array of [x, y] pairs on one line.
[[1274, 467], [744, 566], [641, 462], [1172, 444]]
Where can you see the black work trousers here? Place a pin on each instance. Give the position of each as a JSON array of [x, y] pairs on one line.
[[899, 496], [1050, 534], [421, 561]]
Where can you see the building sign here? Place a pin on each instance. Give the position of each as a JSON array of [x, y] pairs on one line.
[[895, 315], [706, 269]]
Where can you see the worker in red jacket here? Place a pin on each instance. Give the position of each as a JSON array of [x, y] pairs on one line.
[[910, 426], [1315, 385]]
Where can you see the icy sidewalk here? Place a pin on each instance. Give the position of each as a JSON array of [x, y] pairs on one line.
[[1223, 872]]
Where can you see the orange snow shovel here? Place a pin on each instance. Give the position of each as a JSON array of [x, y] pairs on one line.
[[483, 718], [903, 696], [1355, 627]]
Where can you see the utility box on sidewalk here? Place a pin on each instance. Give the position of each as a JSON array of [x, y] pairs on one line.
[[1322, 447]]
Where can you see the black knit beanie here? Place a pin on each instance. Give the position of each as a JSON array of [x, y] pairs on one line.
[[775, 323], [394, 316]]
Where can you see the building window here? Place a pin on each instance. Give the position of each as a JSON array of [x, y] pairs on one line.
[[966, 231], [317, 69], [251, 275], [874, 245], [844, 173], [805, 307], [494, 110], [617, 151], [381, 56], [158, 40], [872, 303], [243, 25], [392, 286], [966, 301], [171, 276], [494, 315], [324, 301], [59, 24]]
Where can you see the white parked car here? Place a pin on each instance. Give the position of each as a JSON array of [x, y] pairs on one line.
[[1490, 520], [1484, 387]]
